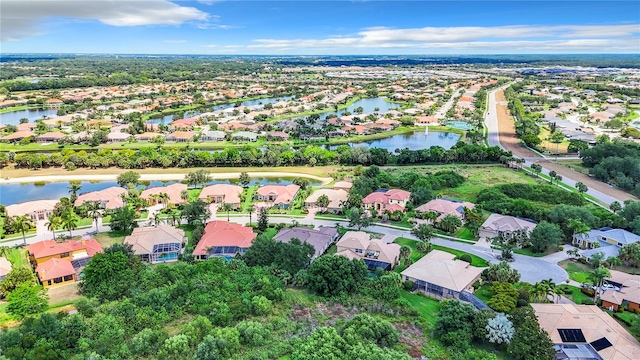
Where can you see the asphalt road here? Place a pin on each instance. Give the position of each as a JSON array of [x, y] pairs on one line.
[[493, 138]]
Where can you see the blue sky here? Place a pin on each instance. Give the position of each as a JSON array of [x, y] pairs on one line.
[[319, 27]]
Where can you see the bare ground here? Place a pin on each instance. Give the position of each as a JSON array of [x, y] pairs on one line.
[[63, 293]]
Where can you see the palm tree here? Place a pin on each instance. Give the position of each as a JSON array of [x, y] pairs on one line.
[[74, 187], [54, 223], [184, 195], [598, 275], [156, 219], [613, 261], [250, 210], [69, 221], [164, 198], [22, 223], [405, 251], [4, 251], [94, 210], [226, 207]]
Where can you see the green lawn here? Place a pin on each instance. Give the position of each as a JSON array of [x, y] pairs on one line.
[[464, 233], [416, 255], [576, 295], [18, 257], [577, 272], [249, 192], [528, 252], [194, 193], [426, 307], [109, 238]]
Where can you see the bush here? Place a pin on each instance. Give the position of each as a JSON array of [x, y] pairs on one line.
[[408, 285], [587, 291], [465, 258], [588, 302]]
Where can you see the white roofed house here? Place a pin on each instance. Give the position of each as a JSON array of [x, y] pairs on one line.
[[605, 240], [439, 274], [375, 253], [35, 210], [497, 224], [336, 199], [157, 244], [5, 267], [278, 195]]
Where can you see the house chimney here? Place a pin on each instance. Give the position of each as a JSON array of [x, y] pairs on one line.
[[42, 273], [83, 242]]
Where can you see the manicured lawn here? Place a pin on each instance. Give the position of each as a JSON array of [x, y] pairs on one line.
[[576, 295], [416, 255], [464, 233], [577, 272], [426, 307], [248, 193], [194, 193], [109, 238], [483, 293]]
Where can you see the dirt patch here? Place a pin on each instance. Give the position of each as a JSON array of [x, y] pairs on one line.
[[591, 183], [500, 96], [507, 131], [411, 335], [63, 294]]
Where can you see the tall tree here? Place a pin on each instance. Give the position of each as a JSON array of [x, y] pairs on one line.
[[323, 202], [70, 221], [54, 223], [545, 235], [263, 219], [582, 188], [22, 223], [358, 219], [94, 210], [250, 210], [598, 275], [198, 178], [74, 187], [244, 179], [450, 223], [227, 208], [128, 179], [630, 253]]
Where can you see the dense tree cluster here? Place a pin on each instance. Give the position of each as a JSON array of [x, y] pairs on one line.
[[616, 162], [273, 155]]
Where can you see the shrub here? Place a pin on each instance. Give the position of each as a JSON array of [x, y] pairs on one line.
[[588, 302], [408, 285], [466, 258], [587, 291]]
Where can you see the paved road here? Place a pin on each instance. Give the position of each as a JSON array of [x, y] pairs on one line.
[[443, 110], [493, 138], [531, 269]]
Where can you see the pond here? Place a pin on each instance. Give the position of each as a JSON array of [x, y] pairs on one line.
[[368, 106], [13, 118], [169, 118], [414, 141], [17, 193]]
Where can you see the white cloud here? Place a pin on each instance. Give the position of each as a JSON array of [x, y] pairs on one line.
[[563, 38], [175, 41], [22, 18]]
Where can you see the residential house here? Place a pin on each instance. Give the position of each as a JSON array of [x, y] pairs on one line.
[[585, 332], [61, 263], [109, 198], [147, 136], [36, 210], [18, 135], [337, 197], [115, 136], [498, 224], [174, 191], [213, 135], [625, 291], [157, 244], [222, 238], [277, 136], [183, 124], [5, 267], [53, 103], [375, 253], [605, 240], [222, 193], [387, 200], [244, 136], [343, 185], [25, 127], [320, 239], [444, 207], [50, 137], [181, 136], [278, 195], [439, 274]]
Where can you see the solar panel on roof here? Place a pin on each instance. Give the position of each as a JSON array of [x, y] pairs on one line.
[[572, 335], [601, 343], [78, 263]]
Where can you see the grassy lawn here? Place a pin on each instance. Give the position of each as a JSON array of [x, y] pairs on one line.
[[575, 165], [483, 293], [464, 233], [577, 272], [426, 307], [249, 192], [109, 238], [479, 177], [18, 257], [416, 255], [576, 295], [194, 193]]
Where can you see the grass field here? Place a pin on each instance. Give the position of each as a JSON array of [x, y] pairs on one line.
[[576, 295], [109, 238], [575, 165], [416, 255], [529, 252], [577, 272], [426, 307], [18, 257]]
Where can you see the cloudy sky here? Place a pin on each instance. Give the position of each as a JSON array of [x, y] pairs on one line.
[[319, 27]]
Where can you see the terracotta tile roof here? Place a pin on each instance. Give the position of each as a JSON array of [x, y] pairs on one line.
[[231, 193], [31, 207], [51, 247], [224, 233], [54, 268], [284, 193], [18, 135], [173, 190], [446, 207], [111, 196]]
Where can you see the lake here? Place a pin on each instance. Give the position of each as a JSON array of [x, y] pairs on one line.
[[414, 141], [368, 106], [13, 118], [169, 118], [17, 193]]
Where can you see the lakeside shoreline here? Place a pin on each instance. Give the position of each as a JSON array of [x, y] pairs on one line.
[[157, 177]]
